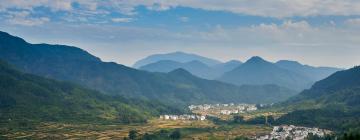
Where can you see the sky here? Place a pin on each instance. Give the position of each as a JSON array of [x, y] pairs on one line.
[[314, 32]]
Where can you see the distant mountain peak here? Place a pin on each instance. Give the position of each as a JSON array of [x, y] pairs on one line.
[[178, 56], [256, 59], [179, 52]]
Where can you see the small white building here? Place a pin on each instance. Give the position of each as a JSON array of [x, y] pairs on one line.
[[202, 118]]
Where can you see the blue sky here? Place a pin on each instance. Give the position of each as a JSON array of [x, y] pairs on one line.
[[315, 32]]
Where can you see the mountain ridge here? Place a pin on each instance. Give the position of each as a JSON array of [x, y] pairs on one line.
[[332, 103], [114, 79], [175, 56], [257, 71]]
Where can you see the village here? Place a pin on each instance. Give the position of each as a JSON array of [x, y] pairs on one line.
[[182, 117], [293, 132], [201, 111], [222, 109]]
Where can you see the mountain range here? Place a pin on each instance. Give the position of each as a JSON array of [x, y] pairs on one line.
[[195, 67], [75, 65], [176, 56], [34, 98], [255, 71]]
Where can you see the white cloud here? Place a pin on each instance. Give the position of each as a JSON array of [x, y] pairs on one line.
[[268, 8], [184, 19], [121, 19], [24, 18], [55, 5]]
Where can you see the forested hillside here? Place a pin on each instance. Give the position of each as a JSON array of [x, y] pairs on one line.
[[25, 97], [332, 103]]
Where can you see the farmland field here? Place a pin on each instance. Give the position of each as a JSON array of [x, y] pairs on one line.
[[189, 129]]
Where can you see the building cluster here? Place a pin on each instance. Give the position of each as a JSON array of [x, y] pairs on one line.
[[224, 109], [183, 117], [293, 132]]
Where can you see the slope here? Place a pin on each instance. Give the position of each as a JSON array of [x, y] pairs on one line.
[[25, 97], [314, 73], [257, 71], [333, 103]]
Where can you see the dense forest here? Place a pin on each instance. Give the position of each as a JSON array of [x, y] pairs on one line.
[[27, 98]]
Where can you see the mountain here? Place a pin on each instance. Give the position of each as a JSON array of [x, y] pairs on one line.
[[257, 71], [314, 73], [195, 67], [213, 90], [341, 88], [175, 56], [75, 65], [332, 103], [227, 66], [26, 97], [162, 66]]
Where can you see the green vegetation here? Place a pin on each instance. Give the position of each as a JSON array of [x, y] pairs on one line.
[[351, 135], [332, 103], [133, 134], [27, 99]]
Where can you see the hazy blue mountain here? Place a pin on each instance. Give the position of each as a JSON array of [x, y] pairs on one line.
[[314, 73], [215, 89], [176, 56], [26, 97], [226, 67], [195, 67], [75, 65], [162, 66], [257, 71]]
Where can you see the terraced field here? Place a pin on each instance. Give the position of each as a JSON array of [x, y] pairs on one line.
[[191, 129]]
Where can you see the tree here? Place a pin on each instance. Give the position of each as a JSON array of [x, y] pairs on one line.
[[238, 119], [147, 136], [132, 134], [175, 135], [311, 136]]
